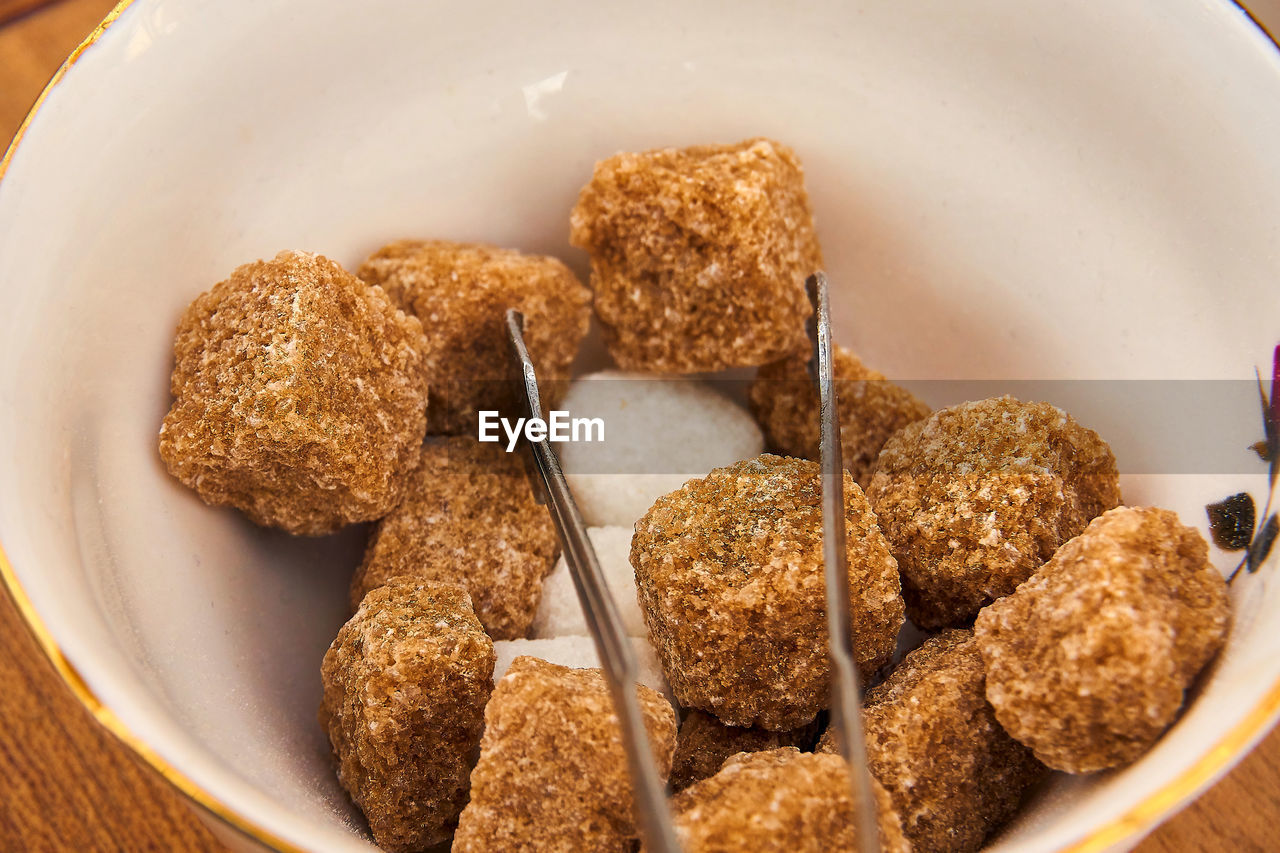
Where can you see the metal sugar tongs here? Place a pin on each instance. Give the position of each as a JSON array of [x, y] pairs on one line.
[[614, 650], [846, 692], [617, 659]]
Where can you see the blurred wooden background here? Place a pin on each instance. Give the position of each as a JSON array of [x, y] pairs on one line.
[[69, 785]]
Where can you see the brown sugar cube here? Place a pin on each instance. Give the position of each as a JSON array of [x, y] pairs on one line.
[[704, 743], [552, 773], [298, 396], [933, 742], [405, 685], [779, 801], [699, 255], [460, 292], [975, 498], [872, 408], [1089, 661], [468, 517], [730, 577]]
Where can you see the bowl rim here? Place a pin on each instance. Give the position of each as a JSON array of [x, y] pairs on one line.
[[1132, 825]]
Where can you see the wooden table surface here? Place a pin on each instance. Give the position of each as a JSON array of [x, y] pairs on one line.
[[69, 785]]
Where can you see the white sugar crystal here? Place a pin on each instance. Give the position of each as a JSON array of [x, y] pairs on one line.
[[559, 613], [579, 653], [621, 499], [659, 433]]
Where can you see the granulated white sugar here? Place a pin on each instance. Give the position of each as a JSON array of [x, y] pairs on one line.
[[659, 433], [559, 612]]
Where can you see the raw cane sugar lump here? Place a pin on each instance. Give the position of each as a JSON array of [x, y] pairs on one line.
[[552, 773], [779, 801], [953, 774], [461, 292], [559, 611], [579, 652], [405, 686], [731, 581], [1089, 661], [872, 408], [469, 516], [699, 255], [704, 743], [974, 499], [659, 432], [299, 396]]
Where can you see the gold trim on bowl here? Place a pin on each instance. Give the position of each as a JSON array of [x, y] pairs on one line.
[[1137, 821], [116, 726]]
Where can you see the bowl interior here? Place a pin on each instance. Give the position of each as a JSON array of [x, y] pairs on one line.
[[1007, 194]]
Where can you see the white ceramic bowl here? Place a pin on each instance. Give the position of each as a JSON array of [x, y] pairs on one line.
[[1003, 190]]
